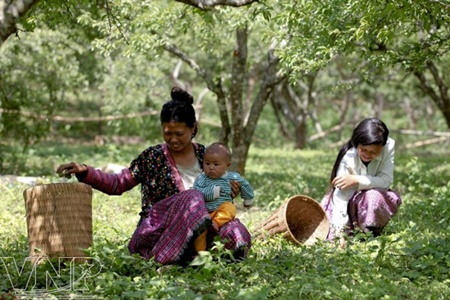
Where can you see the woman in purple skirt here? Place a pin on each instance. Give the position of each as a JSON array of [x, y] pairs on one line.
[[360, 197], [173, 215]]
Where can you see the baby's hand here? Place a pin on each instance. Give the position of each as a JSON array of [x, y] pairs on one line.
[[235, 188]]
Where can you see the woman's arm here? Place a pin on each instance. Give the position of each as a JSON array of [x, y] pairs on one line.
[[111, 184]]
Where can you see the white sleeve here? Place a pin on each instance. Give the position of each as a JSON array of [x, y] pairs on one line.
[[339, 218]]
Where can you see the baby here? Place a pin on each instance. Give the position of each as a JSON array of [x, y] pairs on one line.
[[214, 183]]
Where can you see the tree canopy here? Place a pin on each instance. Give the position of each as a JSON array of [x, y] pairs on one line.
[[303, 57]]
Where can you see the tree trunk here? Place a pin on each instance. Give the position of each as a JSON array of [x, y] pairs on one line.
[[223, 113], [439, 93], [293, 103], [241, 129], [238, 72], [300, 134], [379, 104], [242, 135], [278, 110]]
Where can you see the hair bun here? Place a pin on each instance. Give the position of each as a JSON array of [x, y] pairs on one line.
[[178, 94]]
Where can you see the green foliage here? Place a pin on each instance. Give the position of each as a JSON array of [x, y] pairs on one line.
[[48, 73], [383, 32], [410, 261], [54, 71], [97, 59], [38, 76]]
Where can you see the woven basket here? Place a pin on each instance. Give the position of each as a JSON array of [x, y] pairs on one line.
[[59, 219], [300, 219]]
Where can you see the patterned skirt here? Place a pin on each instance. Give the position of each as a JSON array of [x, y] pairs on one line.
[[368, 210], [167, 233]]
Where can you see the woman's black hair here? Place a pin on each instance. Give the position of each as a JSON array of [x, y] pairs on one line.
[[370, 131], [179, 109]]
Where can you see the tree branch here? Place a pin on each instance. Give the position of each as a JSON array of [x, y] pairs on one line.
[[272, 76], [428, 89], [10, 14], [215, 87], [238, 74], [208, 4], [174, 50], [443, 89]]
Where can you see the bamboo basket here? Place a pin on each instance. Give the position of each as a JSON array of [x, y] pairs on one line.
[[59, 219], [300, 219]]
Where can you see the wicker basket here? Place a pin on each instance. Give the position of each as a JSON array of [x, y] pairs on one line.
[[301, 219], [59, 219]]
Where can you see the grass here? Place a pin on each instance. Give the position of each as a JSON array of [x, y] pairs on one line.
[[410, 261]]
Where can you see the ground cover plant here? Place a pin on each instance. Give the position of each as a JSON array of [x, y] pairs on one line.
[[410, 261]]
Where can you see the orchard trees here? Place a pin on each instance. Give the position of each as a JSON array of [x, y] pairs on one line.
[[250, 52], [413, 35], [222, 47], [217, 52]]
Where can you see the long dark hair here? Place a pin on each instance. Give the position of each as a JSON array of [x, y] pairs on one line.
[[370, 131], [179, 109]]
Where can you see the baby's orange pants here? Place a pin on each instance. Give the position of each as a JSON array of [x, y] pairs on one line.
[[223, 214]]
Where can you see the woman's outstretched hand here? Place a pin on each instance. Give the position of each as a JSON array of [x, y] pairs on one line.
[[71, 168]]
